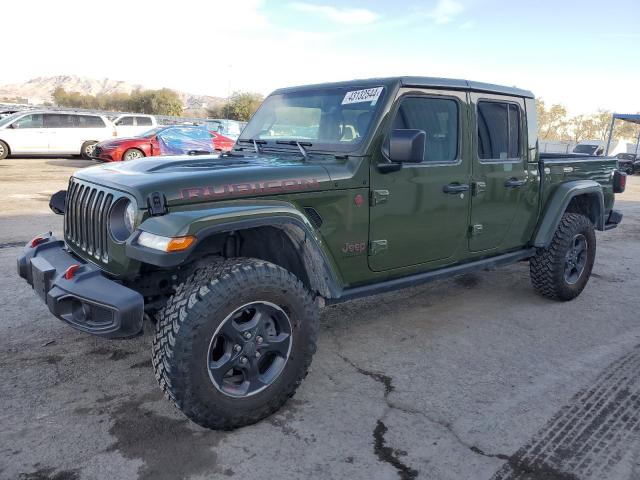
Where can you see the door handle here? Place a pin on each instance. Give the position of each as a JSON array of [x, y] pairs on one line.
[[455, 188], [514, 183]]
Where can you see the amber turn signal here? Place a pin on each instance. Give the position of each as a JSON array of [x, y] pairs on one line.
[[178, 244]]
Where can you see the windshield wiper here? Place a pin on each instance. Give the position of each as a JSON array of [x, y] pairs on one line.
[[254, 141], [300, 146]]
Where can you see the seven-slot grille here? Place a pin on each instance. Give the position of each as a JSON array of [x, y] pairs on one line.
[[86, 218]]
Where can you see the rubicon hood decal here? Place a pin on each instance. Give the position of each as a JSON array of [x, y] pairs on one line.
[[267, 187]]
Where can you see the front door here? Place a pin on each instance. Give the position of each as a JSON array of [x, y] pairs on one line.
[[419, 214], [500, 173], [27, 135]]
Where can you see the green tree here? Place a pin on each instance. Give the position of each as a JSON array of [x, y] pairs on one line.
[[158, 102], [240, 106], [552, 121]]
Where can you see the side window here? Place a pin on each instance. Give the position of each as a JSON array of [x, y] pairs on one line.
[[29, 121], [124, 121], [143, 121], [499, 135], [90, 121], [438, 118], [57, 120]]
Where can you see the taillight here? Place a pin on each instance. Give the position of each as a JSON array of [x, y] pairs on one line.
[[619, 181]]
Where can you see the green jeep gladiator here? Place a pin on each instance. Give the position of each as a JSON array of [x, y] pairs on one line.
[[332, 192]]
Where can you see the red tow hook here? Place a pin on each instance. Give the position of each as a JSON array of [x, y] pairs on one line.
[[71, 271], [37, 241]]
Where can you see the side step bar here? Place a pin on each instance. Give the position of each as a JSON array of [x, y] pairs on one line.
[[442, 273]]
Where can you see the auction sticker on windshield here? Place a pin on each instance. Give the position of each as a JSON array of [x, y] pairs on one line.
[[361, 96]]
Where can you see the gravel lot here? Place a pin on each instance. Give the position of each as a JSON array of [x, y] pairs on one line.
[[471, 378]]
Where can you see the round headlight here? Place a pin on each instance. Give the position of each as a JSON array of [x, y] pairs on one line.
[[122, 221]]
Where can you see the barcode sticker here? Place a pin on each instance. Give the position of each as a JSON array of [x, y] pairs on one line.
[[361, 96]]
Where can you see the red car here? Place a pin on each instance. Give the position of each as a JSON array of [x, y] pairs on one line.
[[222, 143], [165, 140]]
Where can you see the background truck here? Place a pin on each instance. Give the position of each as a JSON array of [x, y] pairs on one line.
[[332, 192]]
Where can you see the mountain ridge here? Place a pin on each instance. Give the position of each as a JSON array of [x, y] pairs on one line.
[[39, 90]]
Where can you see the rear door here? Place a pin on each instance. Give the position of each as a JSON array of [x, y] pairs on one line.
[[500, 205], [419, 214]]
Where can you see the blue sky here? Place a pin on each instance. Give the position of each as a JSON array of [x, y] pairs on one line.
[[583, 54]]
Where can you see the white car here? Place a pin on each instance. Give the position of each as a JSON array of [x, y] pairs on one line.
[[49, 132], [132, 125], [590, 147]]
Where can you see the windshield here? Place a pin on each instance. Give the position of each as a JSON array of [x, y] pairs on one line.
[[6, 120], [588, 149], [333, 118], [152, 132]]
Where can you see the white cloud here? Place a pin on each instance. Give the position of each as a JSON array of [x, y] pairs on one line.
[[348, 16], [445, 11]]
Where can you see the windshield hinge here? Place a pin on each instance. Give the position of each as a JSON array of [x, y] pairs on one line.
[[157, 204]]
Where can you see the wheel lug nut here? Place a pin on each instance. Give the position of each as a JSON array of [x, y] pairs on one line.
[[237, 348], [257, 354], [243, 360], [247, 335], [259, 339]]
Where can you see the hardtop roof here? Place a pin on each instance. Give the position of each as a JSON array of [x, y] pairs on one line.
[[419, 82]]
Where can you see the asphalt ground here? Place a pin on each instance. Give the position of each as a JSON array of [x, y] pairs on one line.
[[472, 378]]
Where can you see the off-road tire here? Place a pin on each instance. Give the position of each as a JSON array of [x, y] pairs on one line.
[[187, 323], [547, 268], [84, 149], [4, 150], [132, 154]]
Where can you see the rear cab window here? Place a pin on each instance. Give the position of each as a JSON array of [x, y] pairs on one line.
[[143, 121], [499, 131]]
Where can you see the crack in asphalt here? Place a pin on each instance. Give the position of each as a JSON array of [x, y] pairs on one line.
[[389, 454]]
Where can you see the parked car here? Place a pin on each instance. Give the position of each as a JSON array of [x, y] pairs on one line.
[[229, 128], [62, 133], [404, 181], [221, 142], [164, 140], [590, 147], [132, 125], [627, 163]]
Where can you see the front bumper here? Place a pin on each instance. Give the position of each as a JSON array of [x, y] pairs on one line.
[[88, 301], [615, 217]]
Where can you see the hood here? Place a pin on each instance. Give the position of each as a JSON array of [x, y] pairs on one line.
[[189, 179], [119, 141]]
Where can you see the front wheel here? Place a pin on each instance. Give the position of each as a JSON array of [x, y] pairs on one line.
[[234, 342], [4, 150], [562, 270], [132, 154]]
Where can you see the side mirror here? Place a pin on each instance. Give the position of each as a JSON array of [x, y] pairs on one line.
[[14, 125], [407, 146]]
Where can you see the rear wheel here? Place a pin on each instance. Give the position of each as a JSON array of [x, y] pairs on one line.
[[4, 150], [562, 270], [234, 342], [87, 150], [132, 154]]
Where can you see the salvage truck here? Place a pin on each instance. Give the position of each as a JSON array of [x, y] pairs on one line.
[[332, 192]]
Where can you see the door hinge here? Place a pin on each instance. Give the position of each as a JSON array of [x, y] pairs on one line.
[[475, 229], [378, 197], [478, 188], [377, 246]]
